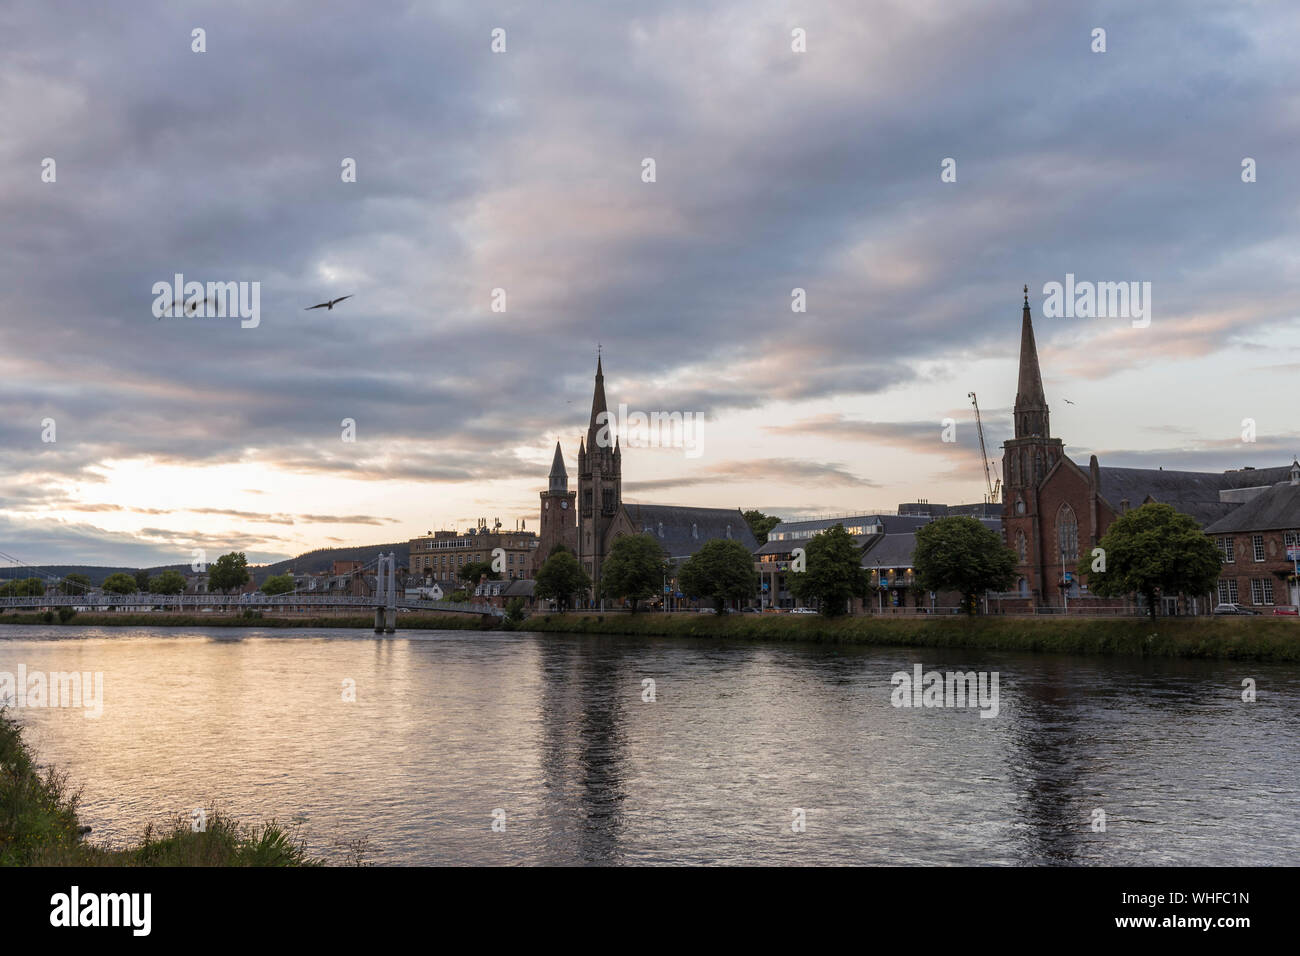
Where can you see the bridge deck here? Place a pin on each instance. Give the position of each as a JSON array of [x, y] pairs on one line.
[[178, 602]]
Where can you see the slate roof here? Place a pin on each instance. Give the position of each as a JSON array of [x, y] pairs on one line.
[[1194, 493], [1272, 510], [677, 538], [890, 551], [890, 522]]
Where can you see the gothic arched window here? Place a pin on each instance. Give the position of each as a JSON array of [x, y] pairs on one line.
[[1020, 547], [1067, 536]]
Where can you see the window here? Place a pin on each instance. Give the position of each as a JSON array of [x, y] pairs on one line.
[[1067, 536], [1023, 587], [1257, 542], [1225, 549], [1227, 590], [1020, 547], [695, 530], [1020, 506], [1261, 591]]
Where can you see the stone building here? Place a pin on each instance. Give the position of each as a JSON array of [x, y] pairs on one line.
[[603, 515]]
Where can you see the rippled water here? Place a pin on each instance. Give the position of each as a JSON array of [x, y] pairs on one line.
[[449, 726]]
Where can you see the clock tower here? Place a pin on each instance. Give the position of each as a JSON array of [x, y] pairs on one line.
[[559, 524]]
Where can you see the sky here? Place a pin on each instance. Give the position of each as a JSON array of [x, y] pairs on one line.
[[126, 438]]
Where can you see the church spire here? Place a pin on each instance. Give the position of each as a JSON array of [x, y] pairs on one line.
[[599, 410], [1031, 417], [559, 482]]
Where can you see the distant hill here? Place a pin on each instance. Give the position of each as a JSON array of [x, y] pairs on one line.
[[312, 562]]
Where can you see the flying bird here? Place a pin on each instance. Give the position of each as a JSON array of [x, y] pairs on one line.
[[1067, 401], [327, 305], [187, 309]]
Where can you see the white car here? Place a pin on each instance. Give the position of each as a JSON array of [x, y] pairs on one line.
[[803, 610]]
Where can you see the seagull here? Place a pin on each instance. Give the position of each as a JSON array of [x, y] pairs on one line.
[[327, 305], [187, 309], [1067, 401]]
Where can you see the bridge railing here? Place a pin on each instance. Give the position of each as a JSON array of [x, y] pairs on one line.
[[241, 601]]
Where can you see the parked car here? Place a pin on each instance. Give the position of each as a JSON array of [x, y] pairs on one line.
[[1286, 610], [1234, 609], [803, 610], [750, 610], [708, 610]]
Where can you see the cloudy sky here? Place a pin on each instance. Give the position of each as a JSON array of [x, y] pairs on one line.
[[522, 170]]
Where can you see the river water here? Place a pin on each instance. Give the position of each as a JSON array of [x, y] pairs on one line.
[[553, 739]]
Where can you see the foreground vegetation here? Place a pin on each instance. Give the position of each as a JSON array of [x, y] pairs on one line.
[[39, 826], [1259, 639]]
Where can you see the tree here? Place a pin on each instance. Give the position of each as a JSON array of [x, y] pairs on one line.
[[560, 577], [635, 569], [1154, 550], [278, 584], [24, 587], [168, 582], [760, 524], [74, 583], [721, 571], [833, 574], [960, 554], [120, 583], [514, 612], [228, 572], [142, 580], [470, 573]]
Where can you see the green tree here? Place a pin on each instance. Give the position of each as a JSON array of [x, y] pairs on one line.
[[1154, 550], [168, 582], [278, 584], [142, 580], [228, 572], [74, 583], [120, 582], [833, 573], [960, 554], [23, 587], [721, 571], [560, 577], [760, 524], [459, 597], [472, 572], [514, 612], [635, 569]]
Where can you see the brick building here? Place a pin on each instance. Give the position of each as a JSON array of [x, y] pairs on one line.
[[1054, 511]]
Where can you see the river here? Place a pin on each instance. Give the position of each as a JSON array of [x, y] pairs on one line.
[[748, 753]]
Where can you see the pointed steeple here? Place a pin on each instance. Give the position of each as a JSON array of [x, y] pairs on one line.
[[559, 476], [599, 410], [1031, 416]]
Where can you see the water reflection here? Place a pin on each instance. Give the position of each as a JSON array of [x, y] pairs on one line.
[[448, 727]]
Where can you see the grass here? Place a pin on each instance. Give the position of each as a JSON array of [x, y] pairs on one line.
[[1258, 639], [418, 622], [39, 826]]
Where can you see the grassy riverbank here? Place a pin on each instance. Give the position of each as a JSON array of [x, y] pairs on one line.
[[418, 622], [39, 826], [1241, 638]]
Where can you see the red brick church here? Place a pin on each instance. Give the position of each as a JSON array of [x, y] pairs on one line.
[[1055, 511]]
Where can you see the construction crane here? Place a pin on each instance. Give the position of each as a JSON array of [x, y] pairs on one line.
[[988, 475]]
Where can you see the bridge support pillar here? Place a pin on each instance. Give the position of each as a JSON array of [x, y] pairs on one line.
[[379, 620], [390, 620]]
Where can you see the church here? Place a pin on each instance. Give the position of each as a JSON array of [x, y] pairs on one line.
[[589, 520], [1055, 511]]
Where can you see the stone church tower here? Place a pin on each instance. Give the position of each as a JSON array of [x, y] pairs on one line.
[[559, 521], [600, 481], [1026, 460]]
